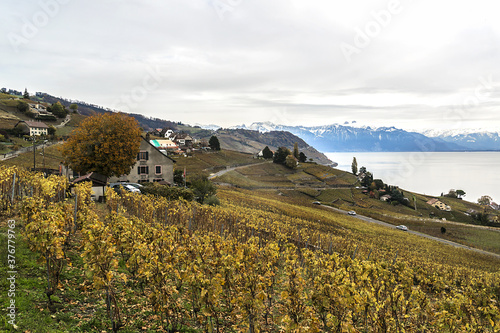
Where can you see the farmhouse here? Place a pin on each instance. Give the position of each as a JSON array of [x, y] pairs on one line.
[[151, 166], [33, 128], [438, 204]]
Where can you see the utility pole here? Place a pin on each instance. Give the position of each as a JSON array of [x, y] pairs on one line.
[[43, 154], [34, 155]]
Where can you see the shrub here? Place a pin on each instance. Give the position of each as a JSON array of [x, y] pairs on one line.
[[171, 193], [212, 201]]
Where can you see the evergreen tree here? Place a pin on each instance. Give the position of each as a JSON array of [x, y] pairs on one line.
[[26, 95], [296, 150], [302, 157], [214, 143], [354, 166], [281, 154]]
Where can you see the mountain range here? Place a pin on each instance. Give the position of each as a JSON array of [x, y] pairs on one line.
[[350, 137]]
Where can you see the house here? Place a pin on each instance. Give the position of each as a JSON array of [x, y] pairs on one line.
[[165, 146], [439, 205], [494, 206], [37, 107], [33, 128], [167, 133], [98, 184], [151, 166], [385, 197], [184, 139]]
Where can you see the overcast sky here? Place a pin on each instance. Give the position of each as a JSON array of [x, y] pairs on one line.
[[410, 64]]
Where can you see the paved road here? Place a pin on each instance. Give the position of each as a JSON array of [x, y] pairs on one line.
[[388, 225], [65, 121], [227, 169]]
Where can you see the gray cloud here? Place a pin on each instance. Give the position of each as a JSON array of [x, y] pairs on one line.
[[258, 60]]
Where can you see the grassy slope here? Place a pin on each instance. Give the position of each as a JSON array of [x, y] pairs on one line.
[[52, 158], [310, 181], [211, 162], [78, 309]]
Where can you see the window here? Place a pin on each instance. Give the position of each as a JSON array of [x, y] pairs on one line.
[[158, 169], [142, 170], [143, 155]]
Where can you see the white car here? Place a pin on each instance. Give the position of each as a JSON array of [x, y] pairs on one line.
[[126, 187], [402, 227], [351, 212]]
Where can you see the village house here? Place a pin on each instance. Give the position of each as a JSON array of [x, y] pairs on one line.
[[98, 184], [165, 146], [167, 133], [385, 197], [151, 166], [439, 205], [37, 107], [183, 139], [33, 128], [494, 205]]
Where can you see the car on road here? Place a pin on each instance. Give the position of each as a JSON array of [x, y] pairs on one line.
[[351, 212], [402, 227], [316, 203], [126, 187]]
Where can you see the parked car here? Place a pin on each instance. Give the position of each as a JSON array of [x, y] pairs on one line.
[[126, 187], [316, 203], [402, 227], [351, 212], [136, 185]]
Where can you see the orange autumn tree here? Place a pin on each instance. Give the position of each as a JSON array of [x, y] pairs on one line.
[[107, 144]]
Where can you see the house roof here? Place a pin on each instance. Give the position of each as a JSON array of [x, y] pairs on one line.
[[96, 178], [37, 124], [152, 145], [432, 201], [162, 143], [183, 136]]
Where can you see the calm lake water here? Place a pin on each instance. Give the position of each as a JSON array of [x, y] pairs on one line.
[[477, 173]]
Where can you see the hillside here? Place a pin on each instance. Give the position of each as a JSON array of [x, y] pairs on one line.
[[88, 109], [237, 140], [340, 189], [251, 141], [164, 266]]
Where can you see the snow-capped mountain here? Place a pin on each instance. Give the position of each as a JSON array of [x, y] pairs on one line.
[[471, 139], [210, 127], [351, 137]]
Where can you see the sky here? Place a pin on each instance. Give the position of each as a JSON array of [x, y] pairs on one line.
[[413, 64]]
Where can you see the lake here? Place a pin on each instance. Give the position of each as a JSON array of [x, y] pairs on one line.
[[432, 173]]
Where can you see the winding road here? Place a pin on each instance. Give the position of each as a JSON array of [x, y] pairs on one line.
[[227, 169], [388, 225], [369, 219]]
